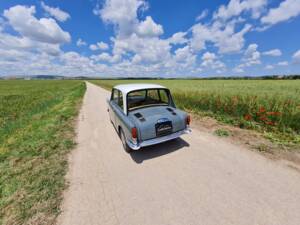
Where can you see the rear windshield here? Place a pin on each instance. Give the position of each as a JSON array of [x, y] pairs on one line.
[[149, 97]]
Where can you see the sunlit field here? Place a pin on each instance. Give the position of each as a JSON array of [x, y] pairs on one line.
[[269, 106], [36, 132]]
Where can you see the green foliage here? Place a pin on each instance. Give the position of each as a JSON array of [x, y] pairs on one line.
[[36, 132], [264, 105]]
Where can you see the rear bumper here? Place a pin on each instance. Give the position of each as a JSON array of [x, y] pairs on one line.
[[137, 146]]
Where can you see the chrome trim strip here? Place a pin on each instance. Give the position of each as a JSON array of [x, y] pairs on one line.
[[137, 146]]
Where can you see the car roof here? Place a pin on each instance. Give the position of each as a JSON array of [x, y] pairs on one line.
[[125, 88]]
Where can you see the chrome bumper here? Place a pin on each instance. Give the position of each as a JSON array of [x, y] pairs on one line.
[[137, 146]]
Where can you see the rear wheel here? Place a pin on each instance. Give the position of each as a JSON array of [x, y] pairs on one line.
[[124, 143]]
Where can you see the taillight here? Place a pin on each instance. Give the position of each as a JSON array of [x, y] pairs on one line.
[[188, 120], [134, 133]]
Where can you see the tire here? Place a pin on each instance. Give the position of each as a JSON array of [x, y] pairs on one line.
[[124, 143]]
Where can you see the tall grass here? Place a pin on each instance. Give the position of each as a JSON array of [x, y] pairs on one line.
[[266, 105], [36, 132]]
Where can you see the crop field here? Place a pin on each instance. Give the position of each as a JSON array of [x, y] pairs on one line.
[[36, 132], [268, 106]]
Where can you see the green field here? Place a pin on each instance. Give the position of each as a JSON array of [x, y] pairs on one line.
[[268, 106], [36, 132]]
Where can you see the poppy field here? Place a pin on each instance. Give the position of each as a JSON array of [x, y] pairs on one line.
[[269, 106]]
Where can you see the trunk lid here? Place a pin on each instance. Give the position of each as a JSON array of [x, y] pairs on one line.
[[149, 120]]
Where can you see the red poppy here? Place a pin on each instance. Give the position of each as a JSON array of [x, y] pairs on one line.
[[274, 113], [262, 109], [247, 117]]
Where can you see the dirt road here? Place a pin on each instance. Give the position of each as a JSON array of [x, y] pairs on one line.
[[199, 179]]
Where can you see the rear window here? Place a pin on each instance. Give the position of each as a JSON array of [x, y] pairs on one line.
[[149, 97]]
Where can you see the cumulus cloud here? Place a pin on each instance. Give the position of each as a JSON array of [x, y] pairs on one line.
[[185, 55], [287, 9], [223, 36], [57, 13], [236, 7], [22, 19], [178, 38], [122, 14], [151, 50], [210, 60], [296, 57], [273, 52], [148, 28], [252, 55], [99, 46], [106, 57]]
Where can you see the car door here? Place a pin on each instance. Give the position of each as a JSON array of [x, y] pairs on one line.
[[118, 107], [113, 104]]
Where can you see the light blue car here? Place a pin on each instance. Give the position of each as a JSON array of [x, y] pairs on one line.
[[145, 114]]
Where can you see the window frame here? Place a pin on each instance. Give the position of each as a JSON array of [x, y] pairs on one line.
[[117, 103], [170, 102]]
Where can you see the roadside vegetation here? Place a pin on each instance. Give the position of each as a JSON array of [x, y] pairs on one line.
[[271, 107], [36, 133]]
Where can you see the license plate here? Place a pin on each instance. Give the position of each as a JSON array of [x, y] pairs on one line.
[[164, 128]]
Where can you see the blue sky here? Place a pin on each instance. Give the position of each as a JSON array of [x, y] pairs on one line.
[[150, 38]]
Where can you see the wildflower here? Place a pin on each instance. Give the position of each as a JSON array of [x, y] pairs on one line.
[[247, 117], [262, 110], [270, 123], [263, 118], [274, 113]]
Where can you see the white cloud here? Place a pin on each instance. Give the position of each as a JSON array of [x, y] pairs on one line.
[[151, 50], [203, 14], [185, 55], [251, 57], [210, 60], [106, 57], [99, 46], [178, 38], [236, 7], [148, 28], [296, 57], [269, 67], [286, 10], [57, 13], [223, 36], [283, 63], [102, 45], [80, 42], [273, 52], [43, 30], [122, 14]]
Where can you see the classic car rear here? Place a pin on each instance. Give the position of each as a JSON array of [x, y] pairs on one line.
[[145, 114]]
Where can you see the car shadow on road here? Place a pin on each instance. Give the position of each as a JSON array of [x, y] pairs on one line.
[[158, 150]]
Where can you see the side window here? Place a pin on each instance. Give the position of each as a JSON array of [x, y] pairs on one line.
[[114, 96], [120, 100]]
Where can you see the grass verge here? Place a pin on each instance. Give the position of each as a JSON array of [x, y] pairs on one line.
[[37, 132]]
